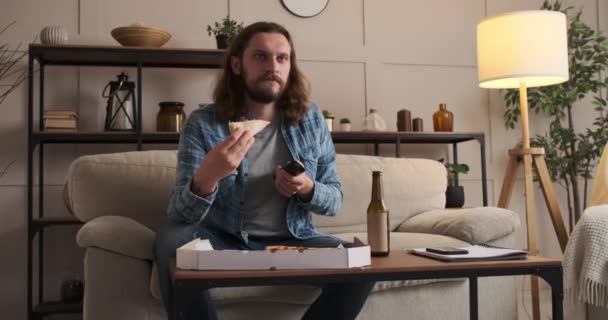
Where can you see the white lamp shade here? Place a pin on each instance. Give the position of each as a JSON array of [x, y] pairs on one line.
[[529, 47]]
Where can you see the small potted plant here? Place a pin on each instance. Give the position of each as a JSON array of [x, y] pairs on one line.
[[345, 124], [454, 194], [225, 31], [329, 119]]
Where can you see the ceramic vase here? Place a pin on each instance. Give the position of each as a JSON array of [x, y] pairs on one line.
[[221, 41], [374, 122], [417, 124], [53, 35], [345, 126], [404, 120], [330, 123], [454, 197]]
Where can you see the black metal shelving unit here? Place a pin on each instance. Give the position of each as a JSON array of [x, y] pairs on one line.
[[93, 56], [69, 55], [398, 137]]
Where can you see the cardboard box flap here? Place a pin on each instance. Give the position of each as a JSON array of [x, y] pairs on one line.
[[203, 245]]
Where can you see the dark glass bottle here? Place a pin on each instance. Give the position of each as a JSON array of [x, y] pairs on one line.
[[378, 235], [443, 120]]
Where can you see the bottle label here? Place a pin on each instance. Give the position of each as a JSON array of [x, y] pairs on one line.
[[377, 232]]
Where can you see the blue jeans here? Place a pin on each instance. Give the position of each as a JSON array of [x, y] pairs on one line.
[[336, 301]]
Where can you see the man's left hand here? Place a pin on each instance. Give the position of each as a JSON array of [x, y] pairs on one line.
[[288, 185]]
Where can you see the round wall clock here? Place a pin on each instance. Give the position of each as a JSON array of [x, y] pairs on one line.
[[305, 8]]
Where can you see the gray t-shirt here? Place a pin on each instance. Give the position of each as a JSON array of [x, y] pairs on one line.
[[265, 207]]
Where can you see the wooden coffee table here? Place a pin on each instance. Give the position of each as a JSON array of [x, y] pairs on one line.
[[400, 265]]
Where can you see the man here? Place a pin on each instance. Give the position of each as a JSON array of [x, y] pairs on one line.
[[231, 187]]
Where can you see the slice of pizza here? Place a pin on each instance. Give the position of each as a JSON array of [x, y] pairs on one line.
[[286, 248], [254, 125]]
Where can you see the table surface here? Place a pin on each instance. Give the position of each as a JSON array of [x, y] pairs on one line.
[[399, 261]]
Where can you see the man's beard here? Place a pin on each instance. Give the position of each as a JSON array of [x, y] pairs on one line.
[[264, 94]]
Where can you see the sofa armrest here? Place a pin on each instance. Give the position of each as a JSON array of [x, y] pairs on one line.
[[474, 225], [117, 234]]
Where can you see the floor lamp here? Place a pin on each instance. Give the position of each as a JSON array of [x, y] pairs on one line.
[[525, 49]]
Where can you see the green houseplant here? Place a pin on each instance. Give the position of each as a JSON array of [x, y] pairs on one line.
[[225, 31], [454, 194], [571, 152], [345, 124], [327, 114], [329, 119]]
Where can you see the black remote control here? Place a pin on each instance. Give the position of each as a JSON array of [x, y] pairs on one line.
[[294, 168]]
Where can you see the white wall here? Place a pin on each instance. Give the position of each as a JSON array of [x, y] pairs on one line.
[[383, 54]]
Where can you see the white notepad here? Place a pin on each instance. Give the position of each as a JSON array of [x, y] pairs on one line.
[[476, 253]]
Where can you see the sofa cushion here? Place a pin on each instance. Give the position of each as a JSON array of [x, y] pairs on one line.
[[411, 186], [473, 225], [131, 184], [138, 185], [409, 240], [307, 294]]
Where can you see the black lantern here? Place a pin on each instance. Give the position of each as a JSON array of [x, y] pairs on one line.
[[120, 110]]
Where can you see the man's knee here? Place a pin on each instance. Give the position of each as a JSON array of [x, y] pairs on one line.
[[171, 236]]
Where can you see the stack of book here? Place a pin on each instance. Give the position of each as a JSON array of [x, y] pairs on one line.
[[57, 120]]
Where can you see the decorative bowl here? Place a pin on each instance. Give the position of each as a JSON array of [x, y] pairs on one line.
[[139, 36]]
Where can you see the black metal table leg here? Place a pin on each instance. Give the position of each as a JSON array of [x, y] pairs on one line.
[[473, 303], [455, 161], [177, 306], [553, 276], [484, 175], [183, 293]]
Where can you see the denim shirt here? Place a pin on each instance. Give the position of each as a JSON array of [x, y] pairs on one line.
[[308, 141]]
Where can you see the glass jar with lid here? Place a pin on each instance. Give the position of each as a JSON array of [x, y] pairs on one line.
[[171, 116]]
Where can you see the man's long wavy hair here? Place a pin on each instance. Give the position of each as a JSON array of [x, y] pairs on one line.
[[229, 94]]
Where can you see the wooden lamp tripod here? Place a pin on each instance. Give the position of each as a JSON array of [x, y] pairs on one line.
[[519, 50]]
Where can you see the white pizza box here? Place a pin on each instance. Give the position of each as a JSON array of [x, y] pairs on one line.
[[199, 255]]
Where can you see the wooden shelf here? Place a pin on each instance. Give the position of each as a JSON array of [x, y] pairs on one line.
[[338, 137], [117, 56], [55, 221], [104, 137], [57, 307], [404, 137]]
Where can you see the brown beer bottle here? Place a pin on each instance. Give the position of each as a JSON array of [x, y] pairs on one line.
[[377, 220]]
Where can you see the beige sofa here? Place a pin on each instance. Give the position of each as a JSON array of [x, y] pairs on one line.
[[122, 198]]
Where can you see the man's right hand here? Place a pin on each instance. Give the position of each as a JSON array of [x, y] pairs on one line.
[[221, 161]]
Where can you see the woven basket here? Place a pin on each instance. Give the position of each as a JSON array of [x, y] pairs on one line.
[[136, 36]]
